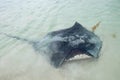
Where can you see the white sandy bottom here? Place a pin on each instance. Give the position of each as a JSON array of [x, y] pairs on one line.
[[32, 19]]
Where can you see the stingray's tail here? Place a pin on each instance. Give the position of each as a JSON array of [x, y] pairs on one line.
[[18, 38]]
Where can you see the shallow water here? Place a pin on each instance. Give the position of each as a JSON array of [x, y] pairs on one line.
[[32, 19]]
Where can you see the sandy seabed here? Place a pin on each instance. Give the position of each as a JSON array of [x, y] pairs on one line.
[[32, 19]]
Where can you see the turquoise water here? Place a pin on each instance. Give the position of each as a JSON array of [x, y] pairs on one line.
[[32, 19]]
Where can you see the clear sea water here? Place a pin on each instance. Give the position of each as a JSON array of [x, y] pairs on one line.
[[32, 19]]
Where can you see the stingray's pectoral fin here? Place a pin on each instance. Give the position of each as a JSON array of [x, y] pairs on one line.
[[58, 59]]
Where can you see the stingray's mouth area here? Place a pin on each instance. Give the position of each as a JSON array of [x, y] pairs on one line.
[[79, 57]]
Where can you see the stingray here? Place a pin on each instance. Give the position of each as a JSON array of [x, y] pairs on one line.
[[66, 44]]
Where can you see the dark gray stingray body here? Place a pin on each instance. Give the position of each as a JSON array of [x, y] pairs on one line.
[[65, 44], [73, 41]]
